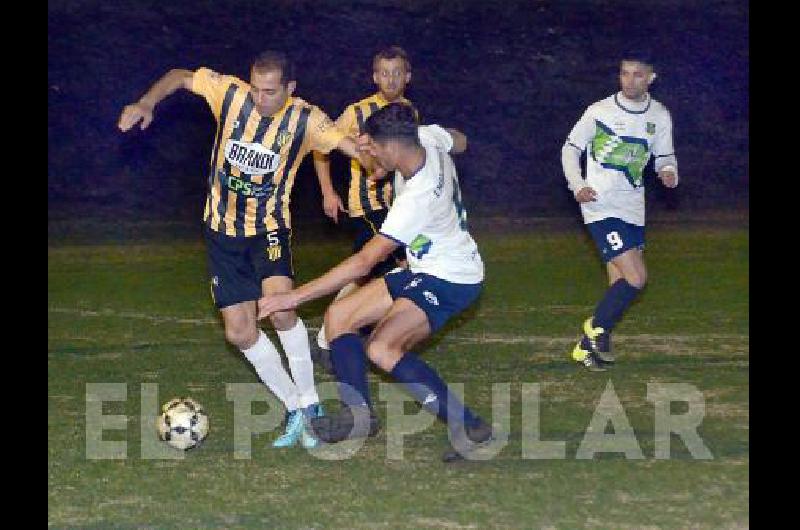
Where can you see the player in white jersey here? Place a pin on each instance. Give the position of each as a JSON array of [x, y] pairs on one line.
[[621, 133], [444, 277]]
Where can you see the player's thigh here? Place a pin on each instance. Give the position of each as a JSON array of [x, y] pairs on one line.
[[630, 265], [362, 307], [276, 284], [403, 327]]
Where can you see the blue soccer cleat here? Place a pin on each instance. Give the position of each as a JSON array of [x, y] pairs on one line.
[[294, 430]]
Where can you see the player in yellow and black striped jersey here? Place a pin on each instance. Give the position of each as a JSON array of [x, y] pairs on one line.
[[263, 133], [367, 200]]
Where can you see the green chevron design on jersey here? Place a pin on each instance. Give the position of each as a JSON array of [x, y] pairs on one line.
[[420, 246], [623, 153]]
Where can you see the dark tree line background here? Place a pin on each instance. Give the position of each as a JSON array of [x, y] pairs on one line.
[[513, 75]]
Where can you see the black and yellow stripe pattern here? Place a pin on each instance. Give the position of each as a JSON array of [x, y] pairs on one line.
[[364, 196], [241, 203]]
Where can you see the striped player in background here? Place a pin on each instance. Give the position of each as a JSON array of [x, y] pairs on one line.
[[367, 200], [263, 133], [621, 133]]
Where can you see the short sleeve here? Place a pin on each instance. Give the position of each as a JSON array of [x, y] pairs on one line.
[[212, 86], [436, 136], [322, 133], [347, 121]]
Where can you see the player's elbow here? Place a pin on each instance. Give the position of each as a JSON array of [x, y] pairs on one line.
[[181, 78], [569, 151]]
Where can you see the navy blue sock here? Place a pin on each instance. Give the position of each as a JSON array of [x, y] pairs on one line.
[[427, 387], [616, 300], [350, 365]]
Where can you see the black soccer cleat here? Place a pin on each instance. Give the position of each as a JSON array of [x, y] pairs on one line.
[[479, 434], [341, 426], [602, 348]]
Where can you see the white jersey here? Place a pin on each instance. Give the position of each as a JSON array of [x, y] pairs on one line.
[[428, 218], [620, 135]]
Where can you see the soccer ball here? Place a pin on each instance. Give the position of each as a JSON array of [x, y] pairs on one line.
[[183, 423]]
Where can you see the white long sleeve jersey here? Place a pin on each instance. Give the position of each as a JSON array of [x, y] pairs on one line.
[[620, 136]]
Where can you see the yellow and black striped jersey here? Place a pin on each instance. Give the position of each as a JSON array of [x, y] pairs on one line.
[[363, 195], [255, 158]]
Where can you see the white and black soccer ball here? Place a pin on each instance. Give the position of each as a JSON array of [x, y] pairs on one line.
[[183, 423]]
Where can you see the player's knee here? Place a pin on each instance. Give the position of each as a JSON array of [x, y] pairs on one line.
[[242, 333], [637, 278], [382, 353], [283, 320]]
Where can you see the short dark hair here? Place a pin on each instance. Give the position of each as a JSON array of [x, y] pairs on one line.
[[639, 56], [395, 121], [392, 52], [271, 60]]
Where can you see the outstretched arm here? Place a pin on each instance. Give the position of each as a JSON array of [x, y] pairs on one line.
[[142, 110], [349, 146], [356, 266]]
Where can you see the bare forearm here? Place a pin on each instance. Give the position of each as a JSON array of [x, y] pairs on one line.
[[348, 147], [322, 165], [168, 84], [352, 268]]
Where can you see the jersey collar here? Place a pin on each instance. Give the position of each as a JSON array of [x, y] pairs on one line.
[[619, 99]]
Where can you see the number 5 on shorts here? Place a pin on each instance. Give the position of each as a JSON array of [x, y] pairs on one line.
[[615, 241]]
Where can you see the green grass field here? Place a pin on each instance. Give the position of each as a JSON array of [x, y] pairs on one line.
[[141, 313]]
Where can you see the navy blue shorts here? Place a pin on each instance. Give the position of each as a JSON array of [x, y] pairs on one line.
[[614, 236], [439, 299], [237, 265], [366, 227]]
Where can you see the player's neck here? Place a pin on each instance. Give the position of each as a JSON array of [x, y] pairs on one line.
[[383, 99], [639, 101], [412, 163]]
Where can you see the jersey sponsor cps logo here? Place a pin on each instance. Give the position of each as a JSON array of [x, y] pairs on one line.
[[251, 159]]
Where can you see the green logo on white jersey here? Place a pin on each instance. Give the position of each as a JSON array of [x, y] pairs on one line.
[[623, 153], [420, 246]]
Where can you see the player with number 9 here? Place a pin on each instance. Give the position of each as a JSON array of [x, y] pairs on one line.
[[620, 134]]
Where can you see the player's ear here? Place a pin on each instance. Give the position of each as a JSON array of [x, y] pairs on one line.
[[375, 77], [290, 86], [652, 77]]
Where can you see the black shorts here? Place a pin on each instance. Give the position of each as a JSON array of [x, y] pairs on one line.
[[237, 265], [366, 227]]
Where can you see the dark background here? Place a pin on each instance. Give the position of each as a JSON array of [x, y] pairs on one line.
[[514, 76]]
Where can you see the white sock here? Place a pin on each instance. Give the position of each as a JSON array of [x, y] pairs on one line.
[[295, 344], [322, 341], [267, 362]]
